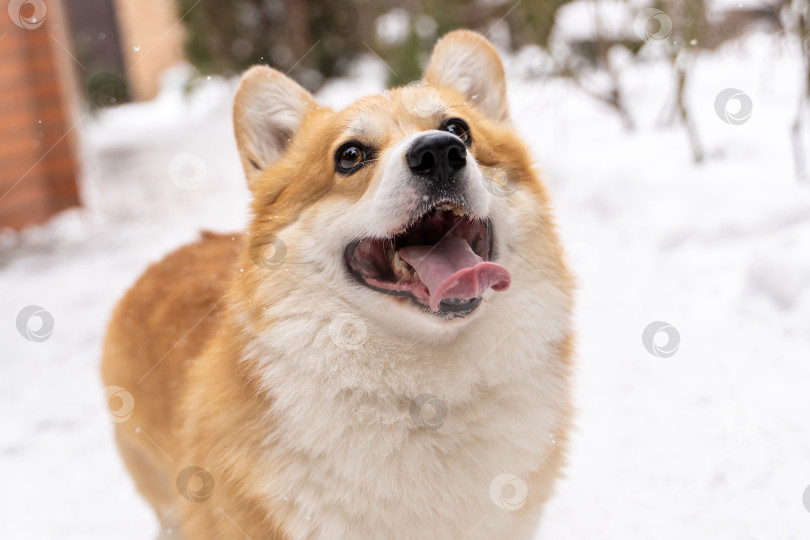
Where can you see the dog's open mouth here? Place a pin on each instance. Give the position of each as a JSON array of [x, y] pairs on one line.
[[442, 260]]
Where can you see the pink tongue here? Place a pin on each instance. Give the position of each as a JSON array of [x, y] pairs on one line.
[[451, 269]]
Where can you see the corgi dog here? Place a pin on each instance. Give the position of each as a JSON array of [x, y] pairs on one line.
[[385, 352]]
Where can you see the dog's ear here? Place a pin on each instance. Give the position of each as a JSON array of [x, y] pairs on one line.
[[267, 110], [468, 63]]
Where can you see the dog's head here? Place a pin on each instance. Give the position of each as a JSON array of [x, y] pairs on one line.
[[415, 208]]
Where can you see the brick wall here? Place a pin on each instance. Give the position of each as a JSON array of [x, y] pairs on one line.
[[37, 158]]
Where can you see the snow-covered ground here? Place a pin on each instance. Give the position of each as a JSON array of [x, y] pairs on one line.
[[712, 442]]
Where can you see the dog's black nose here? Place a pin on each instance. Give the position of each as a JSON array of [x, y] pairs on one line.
[[437, 155]]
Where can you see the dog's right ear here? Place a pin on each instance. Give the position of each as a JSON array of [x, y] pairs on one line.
[[267, 110], [468, 63]]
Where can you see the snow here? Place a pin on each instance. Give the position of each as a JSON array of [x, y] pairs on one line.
[[710, 443], [589, 19]]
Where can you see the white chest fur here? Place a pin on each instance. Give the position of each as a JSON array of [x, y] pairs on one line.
[[359, 458]]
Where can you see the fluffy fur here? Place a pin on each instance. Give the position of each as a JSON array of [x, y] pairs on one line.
[[291, 384]]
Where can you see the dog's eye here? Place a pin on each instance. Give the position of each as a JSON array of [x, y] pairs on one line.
[[458, 128], [349, 157]]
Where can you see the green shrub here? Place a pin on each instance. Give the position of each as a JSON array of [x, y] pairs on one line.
[[315, 39]]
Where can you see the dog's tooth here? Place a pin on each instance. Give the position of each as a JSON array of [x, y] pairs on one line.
[[451, 208], [400, 265]]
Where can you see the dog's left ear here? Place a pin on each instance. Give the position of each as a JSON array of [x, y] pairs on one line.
[[466, 62], [267, 111]]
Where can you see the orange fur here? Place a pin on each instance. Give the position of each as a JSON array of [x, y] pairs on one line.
[[181, 339]]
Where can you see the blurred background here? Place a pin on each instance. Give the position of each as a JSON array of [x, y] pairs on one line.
[[673, 136]]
